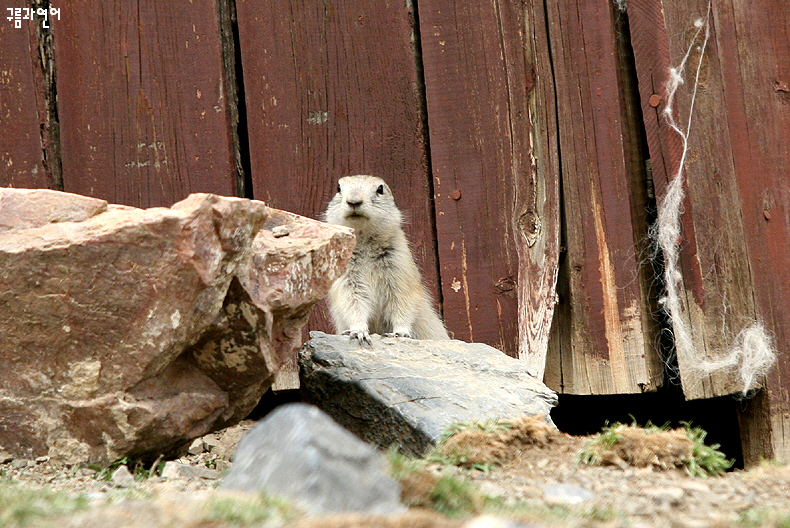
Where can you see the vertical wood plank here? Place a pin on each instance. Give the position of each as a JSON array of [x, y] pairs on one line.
[[713, 254], [478, 109], [141, 100], [21, 151], [604, 333], [537, 213], [736, 231], [756, 78], [332, 89]]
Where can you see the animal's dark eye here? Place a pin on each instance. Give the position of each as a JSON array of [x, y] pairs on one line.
[[338, 188], [380, 190]]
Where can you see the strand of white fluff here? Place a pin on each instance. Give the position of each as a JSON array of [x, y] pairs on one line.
[[752, 350]]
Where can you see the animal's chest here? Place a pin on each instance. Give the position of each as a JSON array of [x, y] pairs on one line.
[[376, 263]]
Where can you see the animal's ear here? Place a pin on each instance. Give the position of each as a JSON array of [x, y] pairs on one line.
[[380, 190]]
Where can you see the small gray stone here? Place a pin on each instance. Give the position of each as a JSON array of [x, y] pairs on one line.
[[671, 495], [281, 231], [695, 486], [302, 455], [21, 463], [5, 457], [210, 441], [566, 494], [176, 470], [122, 478], [196, 447]]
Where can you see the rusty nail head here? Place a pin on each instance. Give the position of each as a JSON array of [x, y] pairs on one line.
[[456, 194], [654, 100]]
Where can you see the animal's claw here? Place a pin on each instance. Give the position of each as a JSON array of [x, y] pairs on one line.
[[398, 334], [360, 335]]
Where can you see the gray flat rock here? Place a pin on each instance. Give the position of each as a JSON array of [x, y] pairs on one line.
[[407, 392]]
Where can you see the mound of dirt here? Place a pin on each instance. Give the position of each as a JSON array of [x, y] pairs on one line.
[[634, 446], [497, 443]]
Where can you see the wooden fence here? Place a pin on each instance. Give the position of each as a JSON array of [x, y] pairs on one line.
[[524, 139]]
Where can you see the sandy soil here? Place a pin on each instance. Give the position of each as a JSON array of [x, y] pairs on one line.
[[543, 485]]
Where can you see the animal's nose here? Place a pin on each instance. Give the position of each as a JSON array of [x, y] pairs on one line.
[[354, 201]]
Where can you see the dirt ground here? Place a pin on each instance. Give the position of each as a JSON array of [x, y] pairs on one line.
[[544, 485]]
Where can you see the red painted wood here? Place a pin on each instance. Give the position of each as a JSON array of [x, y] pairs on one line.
[[756, 81], [603, 331], [735, 256], [475, 76], [332, 90], [537, 213], [141, 100], [21, 152]]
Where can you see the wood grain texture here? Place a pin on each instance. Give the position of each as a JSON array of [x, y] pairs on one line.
[[713, 254], [537, 213], [717, 275], [21, 150], [756, 82], [603, 340], [476, 78], [141, 100], [332, 89], [736, 226]]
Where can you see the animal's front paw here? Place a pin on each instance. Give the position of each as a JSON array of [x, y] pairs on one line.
[[403, 333], [360, 335]]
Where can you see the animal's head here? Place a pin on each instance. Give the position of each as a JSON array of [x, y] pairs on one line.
[[364, 203]]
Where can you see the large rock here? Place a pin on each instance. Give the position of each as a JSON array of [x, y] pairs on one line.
[[130, 332], [299, 453], [408, 392]]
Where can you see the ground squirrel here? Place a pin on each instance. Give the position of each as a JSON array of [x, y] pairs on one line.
[[381, 291]]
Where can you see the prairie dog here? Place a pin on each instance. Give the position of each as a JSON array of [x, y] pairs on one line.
[[381, 291]]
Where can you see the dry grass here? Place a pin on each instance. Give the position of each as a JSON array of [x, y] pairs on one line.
[[657, 447], [494, 443], [634, 446]]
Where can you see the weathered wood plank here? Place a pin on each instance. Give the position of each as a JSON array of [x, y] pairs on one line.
[[142, 103], [717, 300], [713, 255], [538, 204], [478, 108], [603, 340], [332, 89], [21, 151], [756, 79], [736, 233]]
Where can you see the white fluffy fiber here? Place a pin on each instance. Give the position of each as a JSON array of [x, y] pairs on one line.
[[752, 352]]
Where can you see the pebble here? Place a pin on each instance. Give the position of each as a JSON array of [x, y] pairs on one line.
[[175, 470], [665, 495], [566, 494], [21, 463], [694, 485], [196, 447], [122, 478], [281, 231], [5, 457], [210, 441]]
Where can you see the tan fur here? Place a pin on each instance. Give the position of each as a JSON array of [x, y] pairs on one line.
[[381, 291]]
